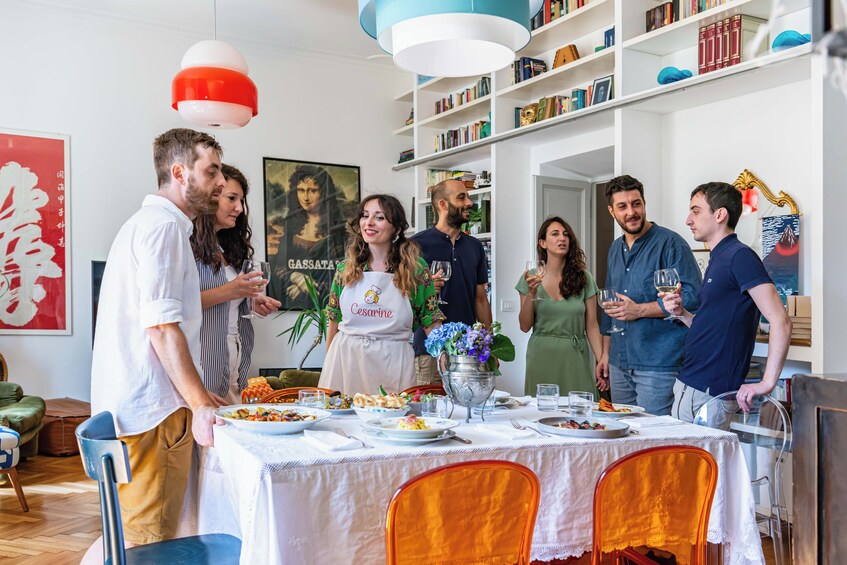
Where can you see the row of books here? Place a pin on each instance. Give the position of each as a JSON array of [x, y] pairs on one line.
[[462, 135], [480, 89], [555, 9], [407, 155], [726, 42], [670, 12], [526, 68], [435, 176], [552, 106]]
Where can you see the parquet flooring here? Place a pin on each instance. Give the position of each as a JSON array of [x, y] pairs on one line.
[[64, 515]]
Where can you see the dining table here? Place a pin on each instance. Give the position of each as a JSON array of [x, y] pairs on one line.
[[290, 500]]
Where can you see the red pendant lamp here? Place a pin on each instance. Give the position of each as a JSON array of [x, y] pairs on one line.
[[212, 89]]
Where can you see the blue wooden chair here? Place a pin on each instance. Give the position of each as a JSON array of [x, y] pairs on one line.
[[10, 452], [106, 461]]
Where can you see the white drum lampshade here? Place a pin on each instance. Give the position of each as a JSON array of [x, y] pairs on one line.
[[212, 89], [449, 38]]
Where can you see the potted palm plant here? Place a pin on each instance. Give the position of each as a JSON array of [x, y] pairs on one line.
[[313, 315]]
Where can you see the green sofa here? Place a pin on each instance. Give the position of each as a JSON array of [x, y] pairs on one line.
[[24, 414]]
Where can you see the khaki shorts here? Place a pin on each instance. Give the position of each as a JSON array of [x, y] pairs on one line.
[[687, 401], [160, 460], [426, 372]]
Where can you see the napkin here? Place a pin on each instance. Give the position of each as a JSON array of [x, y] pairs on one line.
[[505, 431], [652, 421], [330, 441]]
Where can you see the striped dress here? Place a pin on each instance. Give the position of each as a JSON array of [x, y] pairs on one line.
[[214, 353]]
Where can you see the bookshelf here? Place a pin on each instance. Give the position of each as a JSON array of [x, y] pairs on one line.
[[645, 131]]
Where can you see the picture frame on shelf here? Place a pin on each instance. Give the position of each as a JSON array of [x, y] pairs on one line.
[[306, 207], [602, 90], [35, 233], [702, 256]]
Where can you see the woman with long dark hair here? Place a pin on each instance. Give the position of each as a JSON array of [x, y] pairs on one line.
[[380, 294], [314, 237], [221, 244], [560, 307]]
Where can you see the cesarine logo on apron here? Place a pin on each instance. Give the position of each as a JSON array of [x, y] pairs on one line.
[[371, 298]]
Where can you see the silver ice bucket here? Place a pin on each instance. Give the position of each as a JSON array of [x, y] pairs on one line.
[[466, 381]]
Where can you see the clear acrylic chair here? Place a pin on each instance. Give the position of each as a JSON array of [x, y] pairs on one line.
[[766, 426]]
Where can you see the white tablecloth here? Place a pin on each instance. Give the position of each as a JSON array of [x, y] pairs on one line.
[[291, 502]]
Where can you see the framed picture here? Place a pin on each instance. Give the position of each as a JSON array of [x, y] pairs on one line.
[[602, 90], [35, 261], [306, 208], [702, 257]]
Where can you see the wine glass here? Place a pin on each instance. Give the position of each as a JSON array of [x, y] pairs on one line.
[[535, 269], [251, 266], [607, 297], [666, 280], [446, 270]]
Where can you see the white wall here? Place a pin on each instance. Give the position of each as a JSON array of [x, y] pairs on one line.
[[106, 83]]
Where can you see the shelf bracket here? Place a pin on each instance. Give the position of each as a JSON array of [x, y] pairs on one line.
[[747, 180]]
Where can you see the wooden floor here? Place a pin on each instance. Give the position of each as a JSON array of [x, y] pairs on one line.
[[64, 515]]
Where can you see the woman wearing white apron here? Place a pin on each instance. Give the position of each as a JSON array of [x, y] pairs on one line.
[[380, 294]]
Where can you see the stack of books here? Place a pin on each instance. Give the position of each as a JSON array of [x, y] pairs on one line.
[[407, 155], [726, 42]]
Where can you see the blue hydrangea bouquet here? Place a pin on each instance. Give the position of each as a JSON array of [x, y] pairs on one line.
[[486, 345]]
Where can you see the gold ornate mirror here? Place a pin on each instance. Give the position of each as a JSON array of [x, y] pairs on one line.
[[747, 180]]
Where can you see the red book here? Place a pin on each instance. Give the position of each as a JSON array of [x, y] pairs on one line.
[[701, 51], [547, 12], [719, 44], [710, 48], [726, 42], [735, 39]]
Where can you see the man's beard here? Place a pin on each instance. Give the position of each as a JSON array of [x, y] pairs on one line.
[[198, 201], [455, 218], [631, 231]]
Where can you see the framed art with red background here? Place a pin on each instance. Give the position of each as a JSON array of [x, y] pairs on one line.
[[35, 278]]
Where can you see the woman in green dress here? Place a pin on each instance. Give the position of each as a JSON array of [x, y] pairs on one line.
[[560, 307]]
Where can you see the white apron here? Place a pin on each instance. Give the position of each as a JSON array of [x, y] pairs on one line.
[[372, 345]]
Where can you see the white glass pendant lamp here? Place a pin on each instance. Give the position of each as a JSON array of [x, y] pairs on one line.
[[449, 38]]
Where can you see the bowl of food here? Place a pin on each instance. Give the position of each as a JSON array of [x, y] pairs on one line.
[[597, 428], [338, 405], [271, 418], [369, 406], [411, 426]]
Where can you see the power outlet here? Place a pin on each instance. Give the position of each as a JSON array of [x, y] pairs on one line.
[[507, 306]]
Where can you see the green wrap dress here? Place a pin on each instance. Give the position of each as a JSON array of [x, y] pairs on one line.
[[558, 350]]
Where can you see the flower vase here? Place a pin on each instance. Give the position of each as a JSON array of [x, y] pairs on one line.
[[466, 381]]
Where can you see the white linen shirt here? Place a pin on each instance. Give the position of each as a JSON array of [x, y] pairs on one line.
[[150, 279]]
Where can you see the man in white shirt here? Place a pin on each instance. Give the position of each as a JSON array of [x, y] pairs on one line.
[[146, 364]]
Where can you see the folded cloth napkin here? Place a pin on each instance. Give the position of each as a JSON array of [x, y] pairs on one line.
[[505, 431], [330, 441], [652, 421]]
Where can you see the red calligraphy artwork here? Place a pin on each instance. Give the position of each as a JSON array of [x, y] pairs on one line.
[[34, 228]]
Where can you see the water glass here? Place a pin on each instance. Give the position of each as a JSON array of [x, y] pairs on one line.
[[435, 407], [311, 398], [547, 397], [580, 404]]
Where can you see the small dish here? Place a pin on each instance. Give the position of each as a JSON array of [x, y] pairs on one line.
[[388, 426], [378, 436]]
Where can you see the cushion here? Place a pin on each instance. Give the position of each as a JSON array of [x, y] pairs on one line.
[[295, 377], [63, 416], [10, 393], [25, 415]]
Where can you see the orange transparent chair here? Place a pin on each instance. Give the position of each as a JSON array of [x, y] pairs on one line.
[[472, 512], [659, 498], [433, 389]]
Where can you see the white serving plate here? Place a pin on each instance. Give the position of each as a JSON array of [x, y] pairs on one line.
[[371, 412], [633, 410], [376, 435], [613, 428], [388, 426], [272, 427]]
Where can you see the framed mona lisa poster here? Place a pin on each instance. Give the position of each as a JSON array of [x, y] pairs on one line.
[[306, 207]]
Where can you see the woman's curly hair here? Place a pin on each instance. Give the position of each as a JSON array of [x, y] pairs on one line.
[[573, 271]]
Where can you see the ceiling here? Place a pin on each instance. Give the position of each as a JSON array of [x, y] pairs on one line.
[[329, 27]]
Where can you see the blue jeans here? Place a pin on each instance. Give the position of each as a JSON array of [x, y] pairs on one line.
[[652, 390]]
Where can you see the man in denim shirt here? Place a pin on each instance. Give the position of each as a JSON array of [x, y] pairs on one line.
[[645, 357]]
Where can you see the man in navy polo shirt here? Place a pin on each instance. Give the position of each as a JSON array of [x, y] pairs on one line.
[[464, 293], [736, 288]]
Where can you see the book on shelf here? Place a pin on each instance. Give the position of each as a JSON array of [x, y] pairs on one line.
[[461, 97], [429, 216], [565, 55], [435, 176], [462, 135], [727, 42], [552, 10], [662, 15], [526, 68], [609, 37], [406, 155]]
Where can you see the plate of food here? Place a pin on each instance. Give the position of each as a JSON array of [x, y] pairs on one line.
[[587, 428], [606, 409], [378, 436], [369, 406], [411, 426], [271, 418], [339, 405]]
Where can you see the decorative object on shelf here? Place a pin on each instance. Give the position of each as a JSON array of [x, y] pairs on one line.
[[790, 38], [306, 205], [565, 55], [212, 89], [602, 90], [471, 366], [747, 181], [528, 114], [35, 233], [450, 38], [411, 119], [672, 74]]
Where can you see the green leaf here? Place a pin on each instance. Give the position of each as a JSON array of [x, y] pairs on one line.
[[502, 348]]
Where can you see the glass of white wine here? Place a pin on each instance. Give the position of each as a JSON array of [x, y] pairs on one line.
[[608, 298], [250, 266], [535, 269], [666, 280], [446, 270]]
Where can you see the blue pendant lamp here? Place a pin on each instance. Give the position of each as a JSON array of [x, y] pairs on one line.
[[449, 38]]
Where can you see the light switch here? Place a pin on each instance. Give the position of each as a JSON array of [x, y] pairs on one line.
[[507, 306]]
